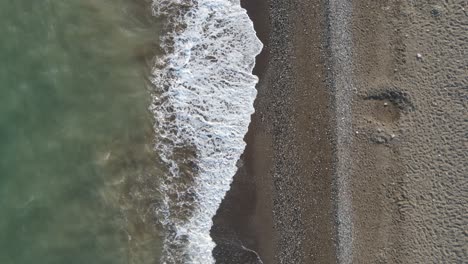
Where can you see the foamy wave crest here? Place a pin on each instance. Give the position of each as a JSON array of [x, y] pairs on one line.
[[202, 105]]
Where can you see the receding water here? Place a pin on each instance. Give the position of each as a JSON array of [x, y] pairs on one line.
[[76, 159]]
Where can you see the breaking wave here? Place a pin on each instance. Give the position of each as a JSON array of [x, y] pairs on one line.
[[202, 103]]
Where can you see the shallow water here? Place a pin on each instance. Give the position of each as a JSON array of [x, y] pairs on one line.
[[202, 105], [75, 133]]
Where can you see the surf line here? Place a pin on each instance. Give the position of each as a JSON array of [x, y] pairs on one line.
[[202, 103]]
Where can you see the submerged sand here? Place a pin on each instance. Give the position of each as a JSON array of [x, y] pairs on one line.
[[357, 150]]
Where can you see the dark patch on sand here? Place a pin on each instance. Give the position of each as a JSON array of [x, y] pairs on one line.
[[397, 98]]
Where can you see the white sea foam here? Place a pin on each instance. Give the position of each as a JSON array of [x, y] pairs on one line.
[[202, 105]]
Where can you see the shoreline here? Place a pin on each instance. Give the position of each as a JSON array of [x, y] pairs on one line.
[[239, 222], [289, 155]]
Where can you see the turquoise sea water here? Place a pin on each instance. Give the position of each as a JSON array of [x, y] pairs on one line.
[[75, 132]]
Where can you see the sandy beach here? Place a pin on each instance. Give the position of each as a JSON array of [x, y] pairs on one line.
[[290, 134], [357, 150], [409, 118]]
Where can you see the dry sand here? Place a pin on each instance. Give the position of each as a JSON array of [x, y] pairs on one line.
[[410, 156], [358, 150]]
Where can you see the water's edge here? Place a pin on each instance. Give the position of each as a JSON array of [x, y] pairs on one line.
[[202, 103]]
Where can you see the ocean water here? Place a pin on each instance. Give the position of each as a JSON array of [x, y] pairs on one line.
[[121, 123], [76, 136]]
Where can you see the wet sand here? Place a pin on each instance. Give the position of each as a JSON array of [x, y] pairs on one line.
[[280, 204], [357, 150]]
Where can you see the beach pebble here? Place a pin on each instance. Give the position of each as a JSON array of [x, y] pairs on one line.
[[379, 139], [436, 11]]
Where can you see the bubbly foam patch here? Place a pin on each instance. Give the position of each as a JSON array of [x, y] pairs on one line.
[[202, 105]]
